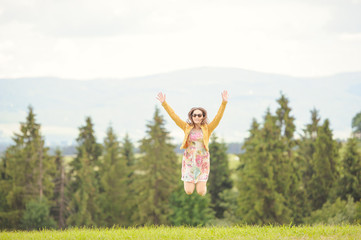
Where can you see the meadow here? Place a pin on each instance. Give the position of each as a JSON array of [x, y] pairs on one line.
[[165, 232]]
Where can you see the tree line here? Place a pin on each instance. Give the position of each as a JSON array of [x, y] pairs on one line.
[[280, 179]]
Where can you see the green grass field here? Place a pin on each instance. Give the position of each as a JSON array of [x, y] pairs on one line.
[[162, 232]]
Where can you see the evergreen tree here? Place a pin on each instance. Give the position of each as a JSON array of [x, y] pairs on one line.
[[283, 144], [127, 151], [261, 200], [229, 203], [325, 174], [114, 179], [8, 217], [219, 178], [246, 209], [87, 140], [270, 186], [156, 174], [286, 123], [191, 210], [288, 174], [28, 169], [350, 180], [3, 175], [83, 210], [356, 125], [84, 186], [59, 198], [307, 149]]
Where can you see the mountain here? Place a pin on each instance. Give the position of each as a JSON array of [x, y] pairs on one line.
[[61, 105]]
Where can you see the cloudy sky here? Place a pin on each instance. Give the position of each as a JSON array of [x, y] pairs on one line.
[[92, 38]]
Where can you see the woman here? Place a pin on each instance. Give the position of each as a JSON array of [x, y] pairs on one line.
[[195, 163]]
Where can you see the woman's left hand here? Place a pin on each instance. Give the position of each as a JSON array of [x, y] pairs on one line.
[[225, 96]]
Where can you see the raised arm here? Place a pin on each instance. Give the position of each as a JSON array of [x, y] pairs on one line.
[[182, 124], [220, 112]]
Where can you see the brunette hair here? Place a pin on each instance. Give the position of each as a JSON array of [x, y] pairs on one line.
[[190, 119]]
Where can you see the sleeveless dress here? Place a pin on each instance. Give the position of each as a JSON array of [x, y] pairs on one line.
[[195, 162]]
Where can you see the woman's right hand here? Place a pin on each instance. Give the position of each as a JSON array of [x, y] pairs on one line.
[[161, 97]]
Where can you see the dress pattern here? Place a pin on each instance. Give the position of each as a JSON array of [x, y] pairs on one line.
[[195, 162]]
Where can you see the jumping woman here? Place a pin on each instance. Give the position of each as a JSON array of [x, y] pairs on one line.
[[197, 130]]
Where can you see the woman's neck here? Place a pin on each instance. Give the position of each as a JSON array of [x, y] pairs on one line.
[[196, 126]]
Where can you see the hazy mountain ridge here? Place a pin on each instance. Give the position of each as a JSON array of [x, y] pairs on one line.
[[127, 104]]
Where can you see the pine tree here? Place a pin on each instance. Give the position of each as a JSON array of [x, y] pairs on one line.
[[325, 174], [229, 203], [307, 149], [270, 184], [246, 202], [261, 200], [288, 174], [286, 123], [82, 207], [284, 143], [356, 126], [84, 186], [8, 217], [114, 177], [87, 140], [127, 153], [156, 174], [350, 180], [59, 198], [219, 178], [29, 169]]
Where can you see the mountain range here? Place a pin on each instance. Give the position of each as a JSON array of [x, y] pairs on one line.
[[61, 105]]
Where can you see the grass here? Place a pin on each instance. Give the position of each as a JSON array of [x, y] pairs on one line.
[[163, 232]]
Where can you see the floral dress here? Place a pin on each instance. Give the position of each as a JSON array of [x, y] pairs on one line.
[[195, 163]]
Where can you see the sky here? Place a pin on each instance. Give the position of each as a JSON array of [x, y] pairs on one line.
[[92, 39], [119, 39]]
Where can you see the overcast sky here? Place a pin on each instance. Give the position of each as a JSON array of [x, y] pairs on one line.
[[117, 39]]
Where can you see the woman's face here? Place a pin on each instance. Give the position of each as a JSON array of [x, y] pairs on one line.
[[197, 116]]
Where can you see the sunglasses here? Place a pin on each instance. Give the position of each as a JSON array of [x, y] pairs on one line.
[[199, 115]]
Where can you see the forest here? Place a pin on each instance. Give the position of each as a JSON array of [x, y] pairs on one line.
[[279, 178]]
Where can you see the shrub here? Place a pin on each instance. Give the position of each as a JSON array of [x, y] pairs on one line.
[[36, 216], [339, 212]]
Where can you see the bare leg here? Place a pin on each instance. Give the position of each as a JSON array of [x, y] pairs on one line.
[[201, 188], [189, 187]]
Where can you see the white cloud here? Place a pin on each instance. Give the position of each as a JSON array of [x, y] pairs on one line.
[[342, 134], [2, 135], [60, 131], [351, 37], [95, 18], [8, 129], [78, 39]]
